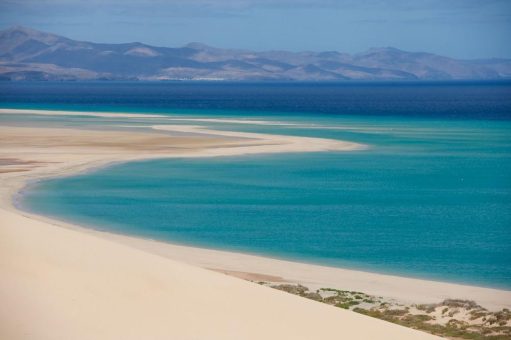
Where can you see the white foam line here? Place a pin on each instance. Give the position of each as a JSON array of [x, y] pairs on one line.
[[266, 143], [79, 113], [238, 121]]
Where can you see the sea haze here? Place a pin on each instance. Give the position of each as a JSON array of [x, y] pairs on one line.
[[430, 198]]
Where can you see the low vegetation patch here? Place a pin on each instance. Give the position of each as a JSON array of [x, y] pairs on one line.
[[452, 318]]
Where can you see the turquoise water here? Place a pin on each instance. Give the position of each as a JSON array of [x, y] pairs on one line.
[[430, 198]]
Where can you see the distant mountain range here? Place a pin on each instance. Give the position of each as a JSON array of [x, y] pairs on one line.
[[27, 54]]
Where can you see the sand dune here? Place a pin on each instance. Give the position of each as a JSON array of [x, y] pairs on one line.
[[62, 284]]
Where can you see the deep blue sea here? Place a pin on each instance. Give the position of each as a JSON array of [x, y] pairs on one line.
[[429, 198]]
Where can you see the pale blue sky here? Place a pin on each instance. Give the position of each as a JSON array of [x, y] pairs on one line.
[[457, 28]]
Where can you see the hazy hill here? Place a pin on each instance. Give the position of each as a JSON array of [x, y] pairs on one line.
[[27, 54]]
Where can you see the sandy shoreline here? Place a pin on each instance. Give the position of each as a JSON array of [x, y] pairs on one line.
[[62, 269]]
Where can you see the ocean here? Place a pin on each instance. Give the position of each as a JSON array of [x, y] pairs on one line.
[[429, 198]]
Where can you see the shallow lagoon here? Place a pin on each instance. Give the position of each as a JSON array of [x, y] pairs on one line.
[[430, 198]]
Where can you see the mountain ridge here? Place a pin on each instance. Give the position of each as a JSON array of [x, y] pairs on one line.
[[28, 54]]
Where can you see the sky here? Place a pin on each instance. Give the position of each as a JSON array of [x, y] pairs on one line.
[[463, 29]]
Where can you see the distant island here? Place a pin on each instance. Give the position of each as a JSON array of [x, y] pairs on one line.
[[27, 54]]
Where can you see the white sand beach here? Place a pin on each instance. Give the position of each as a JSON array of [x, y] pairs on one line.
[[62, 281]]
